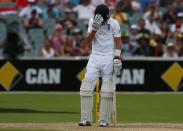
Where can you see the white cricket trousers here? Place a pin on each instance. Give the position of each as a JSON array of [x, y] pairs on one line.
[[99, 65]]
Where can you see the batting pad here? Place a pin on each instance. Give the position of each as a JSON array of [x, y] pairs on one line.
[[86, 108], [107, 89], [86, 93], [87, 88], [105, 109]]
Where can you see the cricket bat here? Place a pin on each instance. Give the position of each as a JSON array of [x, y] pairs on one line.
[[114, 114]]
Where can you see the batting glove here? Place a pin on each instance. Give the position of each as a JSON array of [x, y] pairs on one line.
[[97, 22], [117, 62]]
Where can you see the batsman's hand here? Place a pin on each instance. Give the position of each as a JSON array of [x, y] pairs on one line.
[[97, 22], [117, 65]]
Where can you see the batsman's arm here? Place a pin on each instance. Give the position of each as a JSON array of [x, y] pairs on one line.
[[118, 45], [90, 37], [118, 48], [117, 39], [94, 24]]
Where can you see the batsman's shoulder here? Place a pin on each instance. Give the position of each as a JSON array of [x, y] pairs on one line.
[[114, 22]]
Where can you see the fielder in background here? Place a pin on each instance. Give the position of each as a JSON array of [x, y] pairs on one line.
[[104, 35]]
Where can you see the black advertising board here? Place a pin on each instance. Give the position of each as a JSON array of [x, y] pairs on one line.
[[65, 75]]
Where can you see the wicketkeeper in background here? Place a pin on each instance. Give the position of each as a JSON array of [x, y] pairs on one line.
[[104, 35]]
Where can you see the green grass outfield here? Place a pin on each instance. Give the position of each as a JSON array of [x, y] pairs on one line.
[[65, 107]]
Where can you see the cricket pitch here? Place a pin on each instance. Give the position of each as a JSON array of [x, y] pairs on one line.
[[75, 127]]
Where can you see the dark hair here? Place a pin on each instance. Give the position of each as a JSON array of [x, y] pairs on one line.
[[34, 12], [103, 10]]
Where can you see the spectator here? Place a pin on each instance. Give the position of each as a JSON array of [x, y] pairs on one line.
[[178, 6], [127, 47], [47, 51], [27, 11], [81, 47], [51, 12], [152, 26], [170, 51], [144, 48], [77, 37], [33, 21], [170, 15], [84, 49], [69, 48], [85, 11], [58, 40], [120, 16], [67, 15], [15, 43], [177, 28], [165, 32], [157, 44], [142, 28], [134, 34], [72, 50], [179, 41], [153, 11], [67, 21]]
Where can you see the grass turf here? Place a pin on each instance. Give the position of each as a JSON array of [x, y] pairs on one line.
[[53, 108]]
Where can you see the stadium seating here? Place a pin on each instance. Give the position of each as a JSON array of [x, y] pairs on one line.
[[2, 30], [136, 16], [81, 25], [36, 36], [6, 5], [2, 34], [49, 25]]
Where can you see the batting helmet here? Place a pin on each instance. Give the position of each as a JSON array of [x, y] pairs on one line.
[[103, 10]]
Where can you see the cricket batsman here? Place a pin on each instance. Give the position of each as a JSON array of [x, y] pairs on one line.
[[104, 35]]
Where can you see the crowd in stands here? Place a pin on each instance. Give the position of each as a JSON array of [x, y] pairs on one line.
[[149, 27]]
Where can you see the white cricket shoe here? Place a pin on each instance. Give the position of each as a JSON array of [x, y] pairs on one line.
[[103, 124], [84, 123]]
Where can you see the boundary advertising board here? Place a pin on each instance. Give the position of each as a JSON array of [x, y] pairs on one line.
[[66, 74]]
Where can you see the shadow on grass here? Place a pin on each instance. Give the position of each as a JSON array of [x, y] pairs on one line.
[[21, 110]]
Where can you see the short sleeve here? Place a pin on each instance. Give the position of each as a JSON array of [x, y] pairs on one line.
[[90, 25], [116, 29]]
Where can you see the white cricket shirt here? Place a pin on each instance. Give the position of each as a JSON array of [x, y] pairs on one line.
[[103, 44]]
